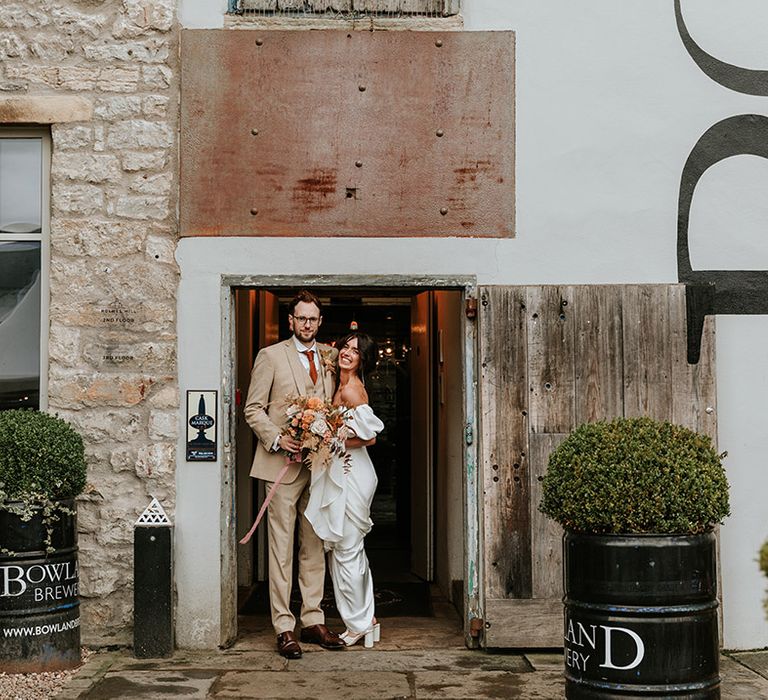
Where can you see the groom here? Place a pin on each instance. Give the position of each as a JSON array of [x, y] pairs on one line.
[[297, 366]]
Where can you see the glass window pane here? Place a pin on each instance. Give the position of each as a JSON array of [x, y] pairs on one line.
[[19, 324], [21, 181]]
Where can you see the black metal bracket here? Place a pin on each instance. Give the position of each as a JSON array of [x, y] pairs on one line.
[[699, 303]]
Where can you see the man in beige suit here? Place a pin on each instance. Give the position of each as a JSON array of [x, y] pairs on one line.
[[297, 366]]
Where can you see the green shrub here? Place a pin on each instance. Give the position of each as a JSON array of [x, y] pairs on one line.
[[633, 476], [764, 558], [41, 458]]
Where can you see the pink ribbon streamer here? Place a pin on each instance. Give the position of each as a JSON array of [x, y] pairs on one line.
[[264, 505]]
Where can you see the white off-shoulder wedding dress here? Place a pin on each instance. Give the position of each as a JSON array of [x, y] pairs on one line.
[[339, 510]]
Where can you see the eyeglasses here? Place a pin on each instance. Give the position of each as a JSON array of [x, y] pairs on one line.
[[311, 320]]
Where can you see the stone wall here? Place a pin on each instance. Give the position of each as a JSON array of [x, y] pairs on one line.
[[113, 276]]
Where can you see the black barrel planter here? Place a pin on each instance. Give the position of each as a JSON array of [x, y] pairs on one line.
[[641, 616], [39, 604]]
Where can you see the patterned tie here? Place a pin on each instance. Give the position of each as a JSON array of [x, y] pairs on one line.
[[312, 368]]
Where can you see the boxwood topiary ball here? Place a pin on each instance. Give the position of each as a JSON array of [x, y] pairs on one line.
[[635, 476], [41, 457]]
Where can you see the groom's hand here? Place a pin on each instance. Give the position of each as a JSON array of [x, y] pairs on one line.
[[288, 444]]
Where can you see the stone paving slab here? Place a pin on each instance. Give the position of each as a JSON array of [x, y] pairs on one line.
[[443, 685], [151, 685], [433, 660], [430, 674], [98, 664], [319, 684], [226, 660], [545, 662]]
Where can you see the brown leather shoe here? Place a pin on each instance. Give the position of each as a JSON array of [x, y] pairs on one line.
[[320, 634], [288, 646]]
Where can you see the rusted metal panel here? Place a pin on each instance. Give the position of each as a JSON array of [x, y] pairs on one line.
[[336, 133]]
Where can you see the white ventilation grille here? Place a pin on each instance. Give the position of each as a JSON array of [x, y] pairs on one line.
[[153, 515]]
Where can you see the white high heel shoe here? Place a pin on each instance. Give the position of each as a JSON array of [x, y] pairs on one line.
[[351, 638], [376, 632]]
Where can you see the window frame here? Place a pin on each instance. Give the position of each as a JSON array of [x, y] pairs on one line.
[[451, 8], [44, 238]]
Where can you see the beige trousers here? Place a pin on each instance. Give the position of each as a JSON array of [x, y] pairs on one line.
[[289, 501]]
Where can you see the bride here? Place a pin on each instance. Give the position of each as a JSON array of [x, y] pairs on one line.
[[340, 497]]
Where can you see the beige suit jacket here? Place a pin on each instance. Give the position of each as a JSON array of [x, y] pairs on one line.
[[278, 375]]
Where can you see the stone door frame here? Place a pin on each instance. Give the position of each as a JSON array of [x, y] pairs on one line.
[[467, 284]]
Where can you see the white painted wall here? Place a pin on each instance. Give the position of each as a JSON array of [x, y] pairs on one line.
[[197, 543], [742, 388], [609, 105]]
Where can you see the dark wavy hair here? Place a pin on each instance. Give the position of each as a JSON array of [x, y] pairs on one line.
[[368, 349]]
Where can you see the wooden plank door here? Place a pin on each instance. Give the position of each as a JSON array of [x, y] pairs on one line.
[[551, 358]]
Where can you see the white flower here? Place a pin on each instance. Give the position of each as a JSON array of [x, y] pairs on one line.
[[319, 427], [292, 410]]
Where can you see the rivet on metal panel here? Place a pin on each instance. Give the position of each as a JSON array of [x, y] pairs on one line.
[[358, 163], [259, 42], [254, 212], [361, 88], [255, 132], [439, 43], [439, 133]]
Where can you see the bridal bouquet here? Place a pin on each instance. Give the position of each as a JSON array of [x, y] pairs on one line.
[[319, 427]]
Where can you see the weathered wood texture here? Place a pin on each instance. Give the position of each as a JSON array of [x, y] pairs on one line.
[[523, 623], [553, 357], [598, 361], [546, 534], [550, 359], [504, 411]]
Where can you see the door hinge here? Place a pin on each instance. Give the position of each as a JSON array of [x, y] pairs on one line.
[[470, 307], [469, 434], [476, 627]]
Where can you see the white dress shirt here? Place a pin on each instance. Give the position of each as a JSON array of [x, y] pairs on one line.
[[302, 350]]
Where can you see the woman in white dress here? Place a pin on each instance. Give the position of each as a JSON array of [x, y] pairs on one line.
[[340, 498]]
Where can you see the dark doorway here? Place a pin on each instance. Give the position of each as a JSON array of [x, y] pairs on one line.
[[407, 393]]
